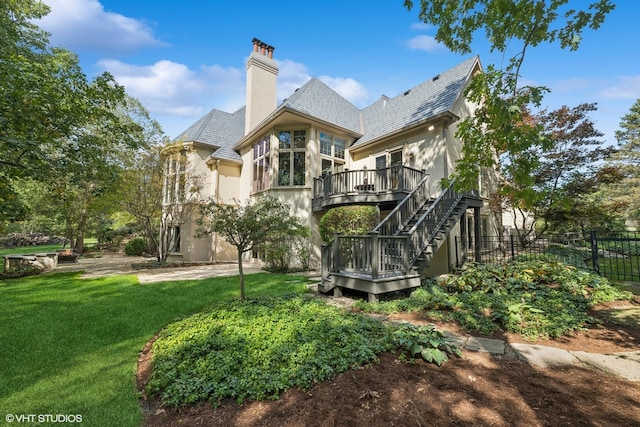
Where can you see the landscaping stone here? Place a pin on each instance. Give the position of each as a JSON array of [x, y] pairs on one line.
[[543, 356]]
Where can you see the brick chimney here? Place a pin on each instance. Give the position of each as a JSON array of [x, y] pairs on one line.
[[261, 84]]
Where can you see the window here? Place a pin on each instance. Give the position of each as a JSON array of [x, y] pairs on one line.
[[176, 239], [175, 178], [396, 157], [292, 158], [331, 153], [262, 164]]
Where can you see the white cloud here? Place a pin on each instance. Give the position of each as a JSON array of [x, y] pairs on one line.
[[85, 25], [181, 95], [425, 43], [349, 88], [625, 87], [293, 75], [421, 26], [164, 87]]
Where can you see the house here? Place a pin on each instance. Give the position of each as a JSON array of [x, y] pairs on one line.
[[316, 150]]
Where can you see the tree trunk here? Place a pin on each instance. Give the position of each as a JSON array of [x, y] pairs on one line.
[[241, 274]]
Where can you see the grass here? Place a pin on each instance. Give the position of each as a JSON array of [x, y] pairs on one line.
[[620, 268], [70, 346], [30, 249]]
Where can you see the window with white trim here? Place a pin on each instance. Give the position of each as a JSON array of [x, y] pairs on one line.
[[262, 164], [292, 152], [175, 178], [331, 153]]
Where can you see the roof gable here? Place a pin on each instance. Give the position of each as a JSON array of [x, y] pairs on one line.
[[318, 100], [219, 129]]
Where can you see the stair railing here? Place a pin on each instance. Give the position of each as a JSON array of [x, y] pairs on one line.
[[430, 223], [393, 223], [385, 251]]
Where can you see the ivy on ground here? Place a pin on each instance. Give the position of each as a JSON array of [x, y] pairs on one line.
[[258, 348], [536, 298]]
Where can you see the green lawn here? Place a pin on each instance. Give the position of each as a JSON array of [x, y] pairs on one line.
[[70, 346], [30, 249], [624, 269]]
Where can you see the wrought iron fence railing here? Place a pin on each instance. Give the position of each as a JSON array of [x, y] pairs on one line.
[[615, 255]]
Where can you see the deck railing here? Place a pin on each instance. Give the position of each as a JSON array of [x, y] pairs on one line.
[[370, 255], [393, 178], [377, 255], [431, 222]]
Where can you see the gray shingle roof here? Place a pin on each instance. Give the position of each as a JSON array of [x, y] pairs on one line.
[[430, 98], [318, 100], [219, 129], [387, 115]]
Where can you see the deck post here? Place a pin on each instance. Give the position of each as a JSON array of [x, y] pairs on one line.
[[477, 232], [375, 254], [337, 262], [345, 182], [407, 255], [324, 265]]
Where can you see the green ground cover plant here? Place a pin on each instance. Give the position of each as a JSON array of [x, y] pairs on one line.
[[425, 341], [70, 346], [536, 298], [259, 348]]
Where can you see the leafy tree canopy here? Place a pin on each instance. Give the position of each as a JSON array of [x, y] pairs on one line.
[[49, 110], [500, 129]]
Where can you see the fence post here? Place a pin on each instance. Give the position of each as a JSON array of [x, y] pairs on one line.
[[513, 249], [594, 251]]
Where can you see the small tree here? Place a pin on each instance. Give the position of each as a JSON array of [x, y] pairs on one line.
[[247, 225]]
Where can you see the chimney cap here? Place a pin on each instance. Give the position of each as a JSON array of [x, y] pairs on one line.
[[259, 43]]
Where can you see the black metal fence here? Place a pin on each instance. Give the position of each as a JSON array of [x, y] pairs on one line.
[[615, 255]]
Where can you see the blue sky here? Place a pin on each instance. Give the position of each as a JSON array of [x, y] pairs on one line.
[[181, 59]]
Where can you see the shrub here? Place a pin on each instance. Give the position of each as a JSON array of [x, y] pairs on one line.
[[348, 220], [285, 249], [135, 247], [536, 298], [425, 341]]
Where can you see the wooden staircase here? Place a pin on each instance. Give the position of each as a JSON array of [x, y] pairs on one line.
[[402, 245]]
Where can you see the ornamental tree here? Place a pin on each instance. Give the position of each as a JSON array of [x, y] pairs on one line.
[[247, 225]]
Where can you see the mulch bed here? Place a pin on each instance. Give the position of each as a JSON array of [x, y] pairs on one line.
[[478, 389]]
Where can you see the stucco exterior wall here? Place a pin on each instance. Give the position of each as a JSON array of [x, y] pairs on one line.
[[431, 146]]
